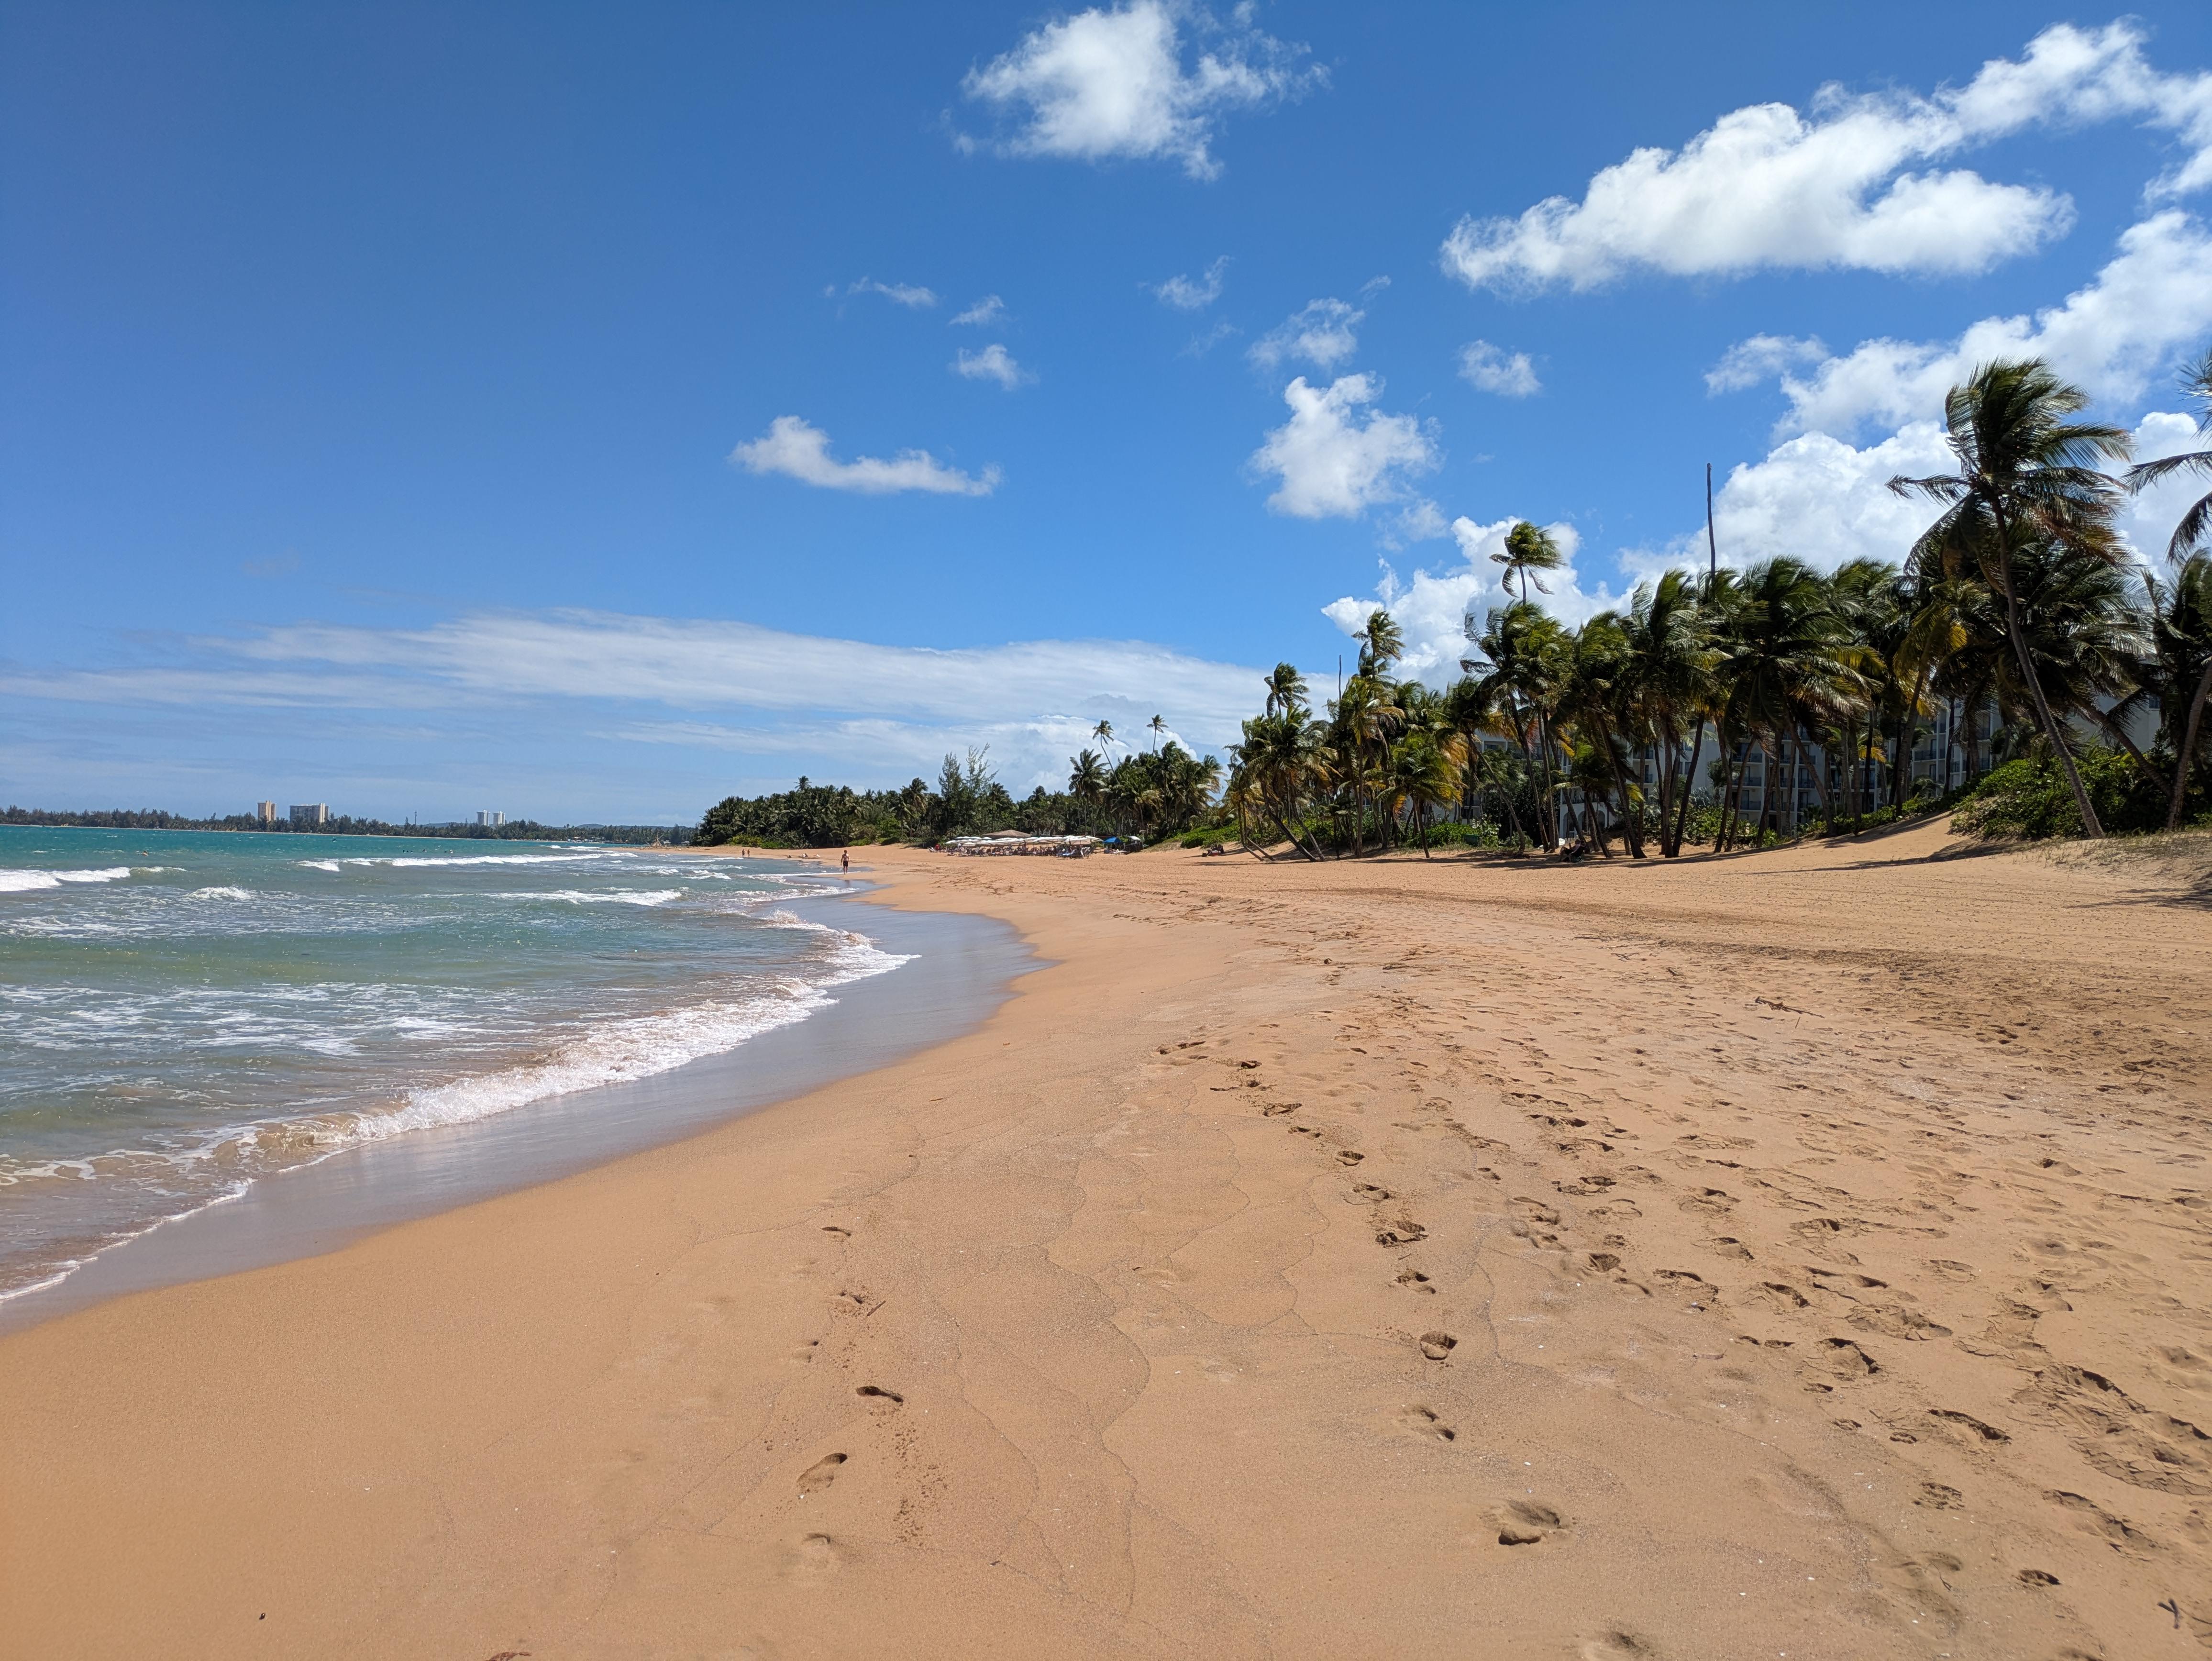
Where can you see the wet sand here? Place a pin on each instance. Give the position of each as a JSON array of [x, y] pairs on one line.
[[1803, 1253]]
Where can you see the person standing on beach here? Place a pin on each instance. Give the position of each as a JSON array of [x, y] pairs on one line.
[[845, 861]]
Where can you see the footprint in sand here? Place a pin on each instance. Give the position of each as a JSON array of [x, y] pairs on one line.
[[1437, 1345], [1425, 1423], [1414, 1281], [836, 1232], [1345, 1156], [1276, 1110], [1526, 1523], [1400, 1233], [819, 1474], [1368, 1194], [1614, 1646], [1727, 1245], [816, 1554], [807, 1352]]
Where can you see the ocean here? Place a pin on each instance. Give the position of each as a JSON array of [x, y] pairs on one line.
[[185, 1014]]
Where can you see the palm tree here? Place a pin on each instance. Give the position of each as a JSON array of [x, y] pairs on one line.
[[1381, 643], [1286, 690], [1158, 727], [2178, 668], [2196, 525], [1275, 769], [1599, 697], [1086, 778], [1668, 640], [1528, 550], [1104, 734], [2189, 537], [2021, 460], [1787, 661], [1523, 649], [1422, 772]]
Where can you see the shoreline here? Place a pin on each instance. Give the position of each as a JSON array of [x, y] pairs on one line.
[[317, 1207], [1369, 1258]]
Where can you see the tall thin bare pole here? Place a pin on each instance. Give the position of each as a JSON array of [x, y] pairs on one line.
[[1712, 548]]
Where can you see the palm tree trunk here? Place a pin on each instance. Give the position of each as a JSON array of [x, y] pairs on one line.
[[1631, 834], [1689, 785], [2188, 748], [2090, 826]]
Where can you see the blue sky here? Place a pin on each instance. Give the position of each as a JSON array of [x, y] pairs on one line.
[[588, 412]]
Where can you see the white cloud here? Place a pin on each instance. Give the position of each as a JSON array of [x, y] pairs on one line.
[[1333, 464], [799, 451], [2148, 520], [1185, 296], [1322, 331], [2111, 337], [1431, 609], [989, 309], [1823, 501], [847, 710], [900, 294], [1767, 187], [993, 363], [1489, 369], [1104, 84], [1761, 357]]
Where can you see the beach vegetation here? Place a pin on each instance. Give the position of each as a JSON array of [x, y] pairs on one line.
[[1742, 706]]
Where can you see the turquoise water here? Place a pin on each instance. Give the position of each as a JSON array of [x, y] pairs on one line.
[[183, 1011]]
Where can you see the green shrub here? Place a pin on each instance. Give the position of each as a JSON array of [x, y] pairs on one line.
[[2029, 799]]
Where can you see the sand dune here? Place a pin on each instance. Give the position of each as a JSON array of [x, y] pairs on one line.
[[1803, 1254]]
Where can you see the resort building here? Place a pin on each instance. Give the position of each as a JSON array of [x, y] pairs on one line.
[[486, 816], [308, 815], [264, 813]]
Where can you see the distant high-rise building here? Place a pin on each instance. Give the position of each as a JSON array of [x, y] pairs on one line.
[[306, 814], [487, 816], [265, 811]]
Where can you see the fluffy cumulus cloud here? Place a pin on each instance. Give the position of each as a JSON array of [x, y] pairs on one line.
[[993, 363], [794, 448], [1106, 84], [1821, 500], [1321, 333], [1431, 607], [1184, 294], [1336, 458], [2111, 337], [1848, 185], [1492, 370]]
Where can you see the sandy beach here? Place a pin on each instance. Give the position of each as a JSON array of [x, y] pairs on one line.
[[1806, 1254]]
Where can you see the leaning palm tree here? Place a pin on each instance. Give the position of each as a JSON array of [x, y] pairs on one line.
[[2021, 460], [1158, 727]]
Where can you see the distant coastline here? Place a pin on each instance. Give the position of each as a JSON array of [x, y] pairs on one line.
[[152, 818]]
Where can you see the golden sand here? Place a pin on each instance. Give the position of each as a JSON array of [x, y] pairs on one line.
[[1804, 1253]]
